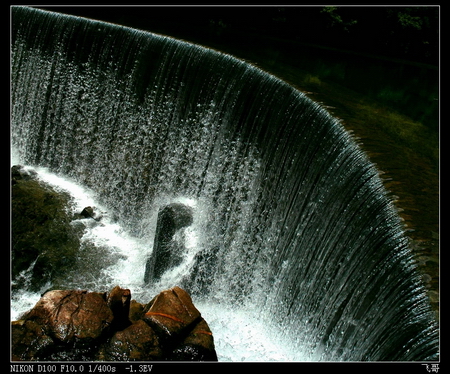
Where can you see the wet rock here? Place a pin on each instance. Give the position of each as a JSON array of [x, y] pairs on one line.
[[91, 212], [136, 311], [78, 317], [136, 342], [198, 346], [167, 252], [29, 340], [172, 313], [118, 301], [85, 326], [18, 173]]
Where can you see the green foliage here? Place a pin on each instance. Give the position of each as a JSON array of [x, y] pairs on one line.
[[335, 19], [407, 20], [412, 18]]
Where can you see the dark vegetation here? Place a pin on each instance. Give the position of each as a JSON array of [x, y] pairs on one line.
[[390, 54], [409, 33]]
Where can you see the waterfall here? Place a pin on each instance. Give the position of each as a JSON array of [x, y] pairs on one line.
[[291, 220]]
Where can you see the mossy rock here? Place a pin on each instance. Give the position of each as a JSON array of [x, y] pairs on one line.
[[44, 243]]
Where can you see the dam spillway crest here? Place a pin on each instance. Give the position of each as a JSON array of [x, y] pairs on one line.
[[280, 213]]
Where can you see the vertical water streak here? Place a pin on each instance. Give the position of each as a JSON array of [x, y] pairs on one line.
[[293, 221]]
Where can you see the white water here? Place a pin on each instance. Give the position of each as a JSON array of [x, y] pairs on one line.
[[292, 223], [239, 335]]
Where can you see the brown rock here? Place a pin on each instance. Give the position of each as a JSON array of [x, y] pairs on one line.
[[29, 341], [136, 342], [118, 301], [72, 316], [84, 326], [136, 311], [198, 345], [172, 312]]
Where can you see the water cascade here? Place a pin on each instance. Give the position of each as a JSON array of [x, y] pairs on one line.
[[291, 225]]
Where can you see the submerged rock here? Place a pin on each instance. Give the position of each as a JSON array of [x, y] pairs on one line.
[[81, 325], [18, 173], [91, 212], [167, 252]]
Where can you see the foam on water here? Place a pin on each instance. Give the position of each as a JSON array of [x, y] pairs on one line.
[[22, 301], [239, 335], [129, 250], [290, 216], [14, 156]]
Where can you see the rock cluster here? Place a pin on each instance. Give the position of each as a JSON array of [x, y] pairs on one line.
[[81, 325]]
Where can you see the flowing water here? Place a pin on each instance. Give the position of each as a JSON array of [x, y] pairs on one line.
[[296, 252]]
